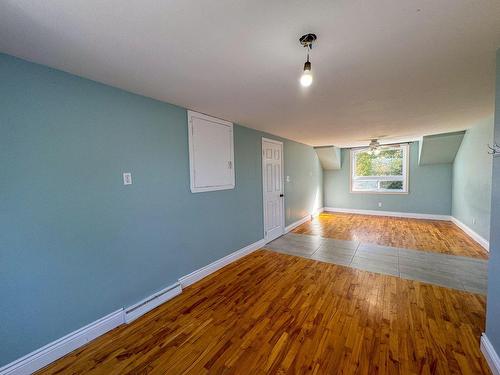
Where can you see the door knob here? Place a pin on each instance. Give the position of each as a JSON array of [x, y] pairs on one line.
[[282, 195]]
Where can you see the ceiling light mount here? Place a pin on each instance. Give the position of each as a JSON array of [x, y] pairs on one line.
[[307, 41]]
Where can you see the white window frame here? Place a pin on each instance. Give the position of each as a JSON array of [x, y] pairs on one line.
[[404, 177]]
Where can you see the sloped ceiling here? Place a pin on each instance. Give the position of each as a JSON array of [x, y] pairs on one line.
[[439, 148], [329, 157]]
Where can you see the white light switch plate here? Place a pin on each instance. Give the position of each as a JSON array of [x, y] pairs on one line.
[[127, 178]]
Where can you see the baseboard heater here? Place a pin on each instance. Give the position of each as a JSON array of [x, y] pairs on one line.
[[140, 308]]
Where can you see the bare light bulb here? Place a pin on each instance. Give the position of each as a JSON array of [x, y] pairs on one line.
[[306, 79]]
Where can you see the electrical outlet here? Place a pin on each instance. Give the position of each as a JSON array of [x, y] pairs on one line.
[[127, 178], [380, 204]]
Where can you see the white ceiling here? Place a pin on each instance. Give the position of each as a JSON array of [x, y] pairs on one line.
[[389, 67]]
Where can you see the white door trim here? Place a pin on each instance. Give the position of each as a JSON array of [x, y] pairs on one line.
[[282, 184]]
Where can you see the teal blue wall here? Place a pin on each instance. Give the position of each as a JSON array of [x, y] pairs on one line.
[[493, 305], [429, 189], [304, 191], [472, 179], [75, 243]]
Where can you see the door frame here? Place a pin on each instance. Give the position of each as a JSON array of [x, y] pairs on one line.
[[264, 139]]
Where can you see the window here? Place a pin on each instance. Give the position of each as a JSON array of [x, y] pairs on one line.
[[381, 171]]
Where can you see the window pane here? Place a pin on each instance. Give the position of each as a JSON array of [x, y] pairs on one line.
[[391, 185], [365, 185], [363, 164], [380, 171], [386, 162]]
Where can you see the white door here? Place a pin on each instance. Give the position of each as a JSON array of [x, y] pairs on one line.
[[272, 177]]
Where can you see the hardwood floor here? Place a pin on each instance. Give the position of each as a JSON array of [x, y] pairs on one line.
[[271, 313], [427, 235]]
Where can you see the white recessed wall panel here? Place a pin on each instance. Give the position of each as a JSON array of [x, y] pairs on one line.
[[211, 155]]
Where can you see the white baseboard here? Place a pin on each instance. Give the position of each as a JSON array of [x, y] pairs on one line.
[[318, 212], [474, 235], [57, 349], [140, 308], [490, 355], [292, 226], [389, 213], [218, 264], [305, 219]]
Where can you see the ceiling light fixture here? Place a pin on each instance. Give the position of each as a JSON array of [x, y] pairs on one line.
[[307, 41], [374, 147], [374, 144]]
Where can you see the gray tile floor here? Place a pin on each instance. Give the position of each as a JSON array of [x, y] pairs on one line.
[[451, 271]]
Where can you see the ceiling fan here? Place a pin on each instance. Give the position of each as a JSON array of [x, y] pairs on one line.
[[375, 145], [374, 141]]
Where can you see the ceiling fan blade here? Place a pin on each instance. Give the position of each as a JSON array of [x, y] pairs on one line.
[[378, 137], [390, 145]]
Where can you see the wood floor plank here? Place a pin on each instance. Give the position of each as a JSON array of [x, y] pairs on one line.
[[279, 314], [426, 235]]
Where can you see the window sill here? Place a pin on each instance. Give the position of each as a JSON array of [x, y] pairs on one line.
[[380, 192]]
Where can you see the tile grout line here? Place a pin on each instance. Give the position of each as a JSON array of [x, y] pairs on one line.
[[410, 249], [355, 252], [399, 268], [457, 278], [315, 251]]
